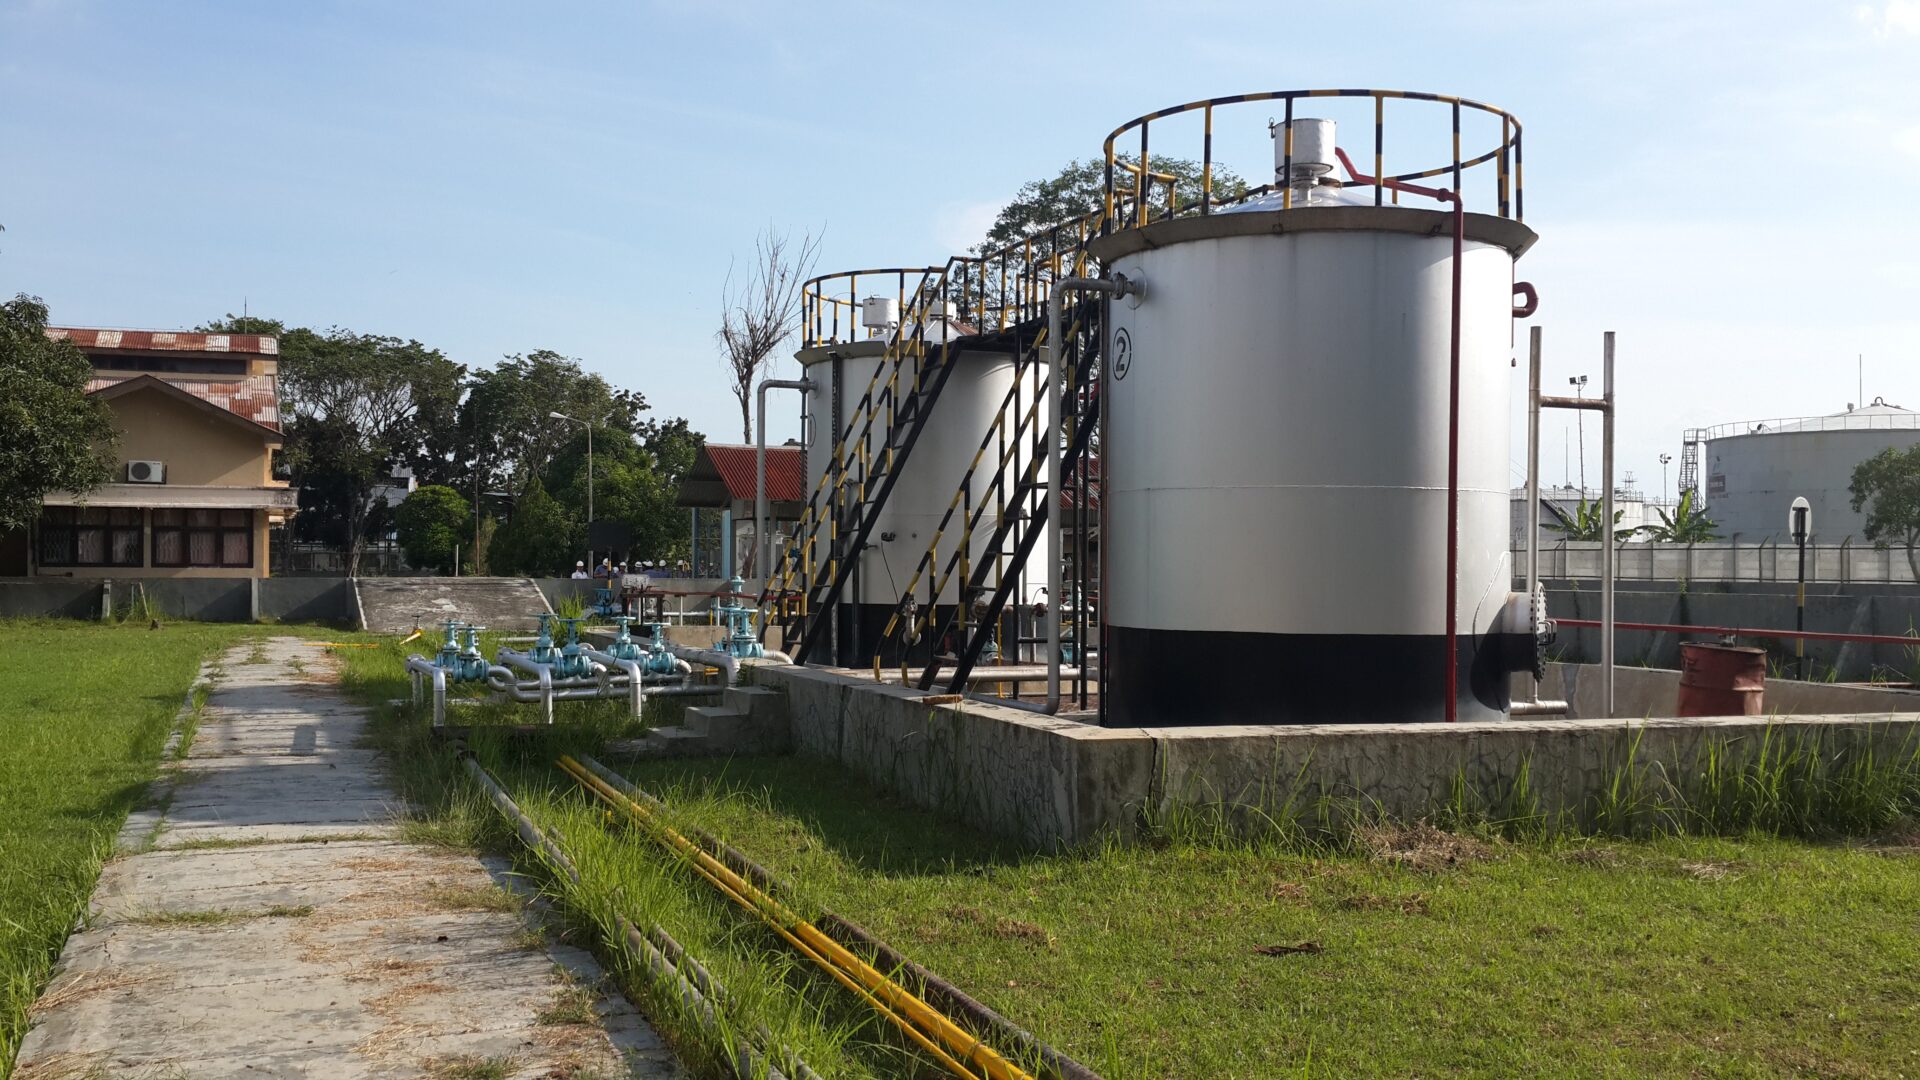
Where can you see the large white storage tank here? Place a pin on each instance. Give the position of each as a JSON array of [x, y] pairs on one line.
[[980, 383], [1276, 465], [1755, 469]]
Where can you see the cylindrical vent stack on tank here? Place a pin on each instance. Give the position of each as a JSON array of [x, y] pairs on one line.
[[959, 420], [1275, 467]]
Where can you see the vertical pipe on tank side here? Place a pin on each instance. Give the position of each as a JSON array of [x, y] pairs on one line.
[[1533, 481], [1606, 524], [1453, 458]]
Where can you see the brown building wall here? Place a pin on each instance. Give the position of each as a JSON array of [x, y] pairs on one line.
[[198, 446]]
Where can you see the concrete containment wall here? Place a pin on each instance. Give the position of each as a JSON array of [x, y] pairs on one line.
[[1036, 779], [1642, 692], [1053, 783]]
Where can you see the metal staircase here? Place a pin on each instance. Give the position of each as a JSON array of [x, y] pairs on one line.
[[820, 558], [1007, 288]]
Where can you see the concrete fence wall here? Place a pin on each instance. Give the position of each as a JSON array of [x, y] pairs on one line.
[[1640, 692], [296, 599], [1764, 559]]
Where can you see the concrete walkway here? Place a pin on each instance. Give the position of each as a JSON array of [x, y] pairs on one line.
[[270, 925]]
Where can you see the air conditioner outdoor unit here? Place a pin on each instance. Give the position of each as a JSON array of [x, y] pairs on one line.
[[146, 472]]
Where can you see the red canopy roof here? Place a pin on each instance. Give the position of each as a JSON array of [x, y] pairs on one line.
[[724, 470]]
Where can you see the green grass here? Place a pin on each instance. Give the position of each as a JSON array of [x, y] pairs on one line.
[[1702, 940], [85, 709], [1674, 956]]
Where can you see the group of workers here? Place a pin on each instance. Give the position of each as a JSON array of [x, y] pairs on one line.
[[608, 569]]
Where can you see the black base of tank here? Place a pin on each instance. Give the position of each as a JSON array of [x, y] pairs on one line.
[[1166, 678]]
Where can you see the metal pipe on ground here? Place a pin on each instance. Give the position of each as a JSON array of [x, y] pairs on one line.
[[943, 993], [929, 1028], [658, 952], [418, 668]]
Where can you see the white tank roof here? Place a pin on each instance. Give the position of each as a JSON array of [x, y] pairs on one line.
[[1878, 416]]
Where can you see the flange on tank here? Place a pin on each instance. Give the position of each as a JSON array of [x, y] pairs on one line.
[[849, 336], [1279, 432]]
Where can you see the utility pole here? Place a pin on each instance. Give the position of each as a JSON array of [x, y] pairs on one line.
[[1579, 384], [589, 427]]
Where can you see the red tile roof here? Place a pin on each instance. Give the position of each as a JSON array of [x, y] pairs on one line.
[[786, 471], [168, 341]]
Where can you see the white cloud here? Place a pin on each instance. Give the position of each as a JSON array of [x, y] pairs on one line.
[[1894, 18]]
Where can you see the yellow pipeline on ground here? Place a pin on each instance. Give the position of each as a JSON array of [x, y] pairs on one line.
[[856, 974]]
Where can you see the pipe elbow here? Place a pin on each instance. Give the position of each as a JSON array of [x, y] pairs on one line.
[[1532, 299]]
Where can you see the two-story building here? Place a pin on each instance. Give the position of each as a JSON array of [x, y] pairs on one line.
[[194, 492]]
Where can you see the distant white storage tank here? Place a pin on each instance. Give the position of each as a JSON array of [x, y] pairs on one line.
[[844, 372], [1755, 469], [1276, 464]]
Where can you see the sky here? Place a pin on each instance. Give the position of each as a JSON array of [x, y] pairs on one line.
[[1731, 187]]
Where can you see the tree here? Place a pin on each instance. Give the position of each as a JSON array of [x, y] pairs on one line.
[[1058, 202], [1584, 522], [1890, 482], [1081, 188], [433, 524], [1688, 524], [243, 324], [636, 482], [760, 313], [540, 540], [504, 429], [357, 405], [57, 438]]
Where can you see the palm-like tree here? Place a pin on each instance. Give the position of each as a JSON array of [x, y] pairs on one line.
[[1688, 524], [1584, 523]]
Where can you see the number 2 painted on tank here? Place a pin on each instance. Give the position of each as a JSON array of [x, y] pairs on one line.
[[1122, 353]]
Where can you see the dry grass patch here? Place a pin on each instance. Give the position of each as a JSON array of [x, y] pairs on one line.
[[570, 1005], [473, 898], [1420, 846]]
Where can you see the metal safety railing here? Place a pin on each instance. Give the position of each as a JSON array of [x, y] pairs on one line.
[[1124, 168], [827, 300], [1846, 421]]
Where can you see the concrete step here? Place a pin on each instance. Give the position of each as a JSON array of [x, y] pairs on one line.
[[729, 731], [758, 702], [395, 605]]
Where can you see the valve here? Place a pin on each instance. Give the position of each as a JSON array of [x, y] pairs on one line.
[[573, 661], [543, 651], [472, 667], [741, 640], [449, 655], [623, 646]]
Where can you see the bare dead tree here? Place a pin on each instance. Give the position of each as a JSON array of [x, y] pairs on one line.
[[758, 315]]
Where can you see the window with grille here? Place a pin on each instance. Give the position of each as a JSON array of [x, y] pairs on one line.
[[203, 538], [90, 536]]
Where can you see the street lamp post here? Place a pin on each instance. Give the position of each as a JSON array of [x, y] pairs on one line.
[[1664, 458], [1579, 384], [589, 427]]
